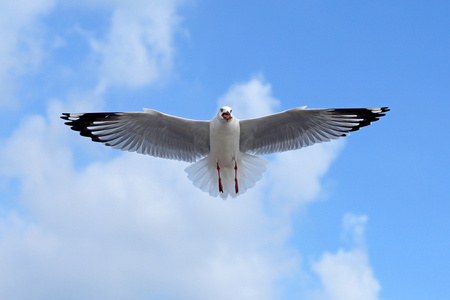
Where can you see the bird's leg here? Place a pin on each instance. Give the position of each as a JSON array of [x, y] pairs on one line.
[[236, 186], [220, 179]]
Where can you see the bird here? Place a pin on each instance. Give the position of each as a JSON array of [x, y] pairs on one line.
[[224, 151]]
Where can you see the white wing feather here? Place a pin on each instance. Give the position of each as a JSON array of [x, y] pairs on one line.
[[150, 132], [300, 127]]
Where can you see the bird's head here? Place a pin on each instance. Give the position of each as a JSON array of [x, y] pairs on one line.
[[225, 113]]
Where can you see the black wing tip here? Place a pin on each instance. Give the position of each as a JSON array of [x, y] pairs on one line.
[[371, 115], [367, 115], [373, 110], [91, 115], [81, 121], [380, 111], [88, 118], [71, 117]]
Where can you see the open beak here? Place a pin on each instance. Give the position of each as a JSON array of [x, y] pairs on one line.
[[227, 116]]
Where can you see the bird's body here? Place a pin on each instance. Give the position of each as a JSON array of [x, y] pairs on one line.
[[224, 140], [226, 171], [227, 147]]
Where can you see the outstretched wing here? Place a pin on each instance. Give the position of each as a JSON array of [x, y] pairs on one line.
[[300, 127], [149, 132]]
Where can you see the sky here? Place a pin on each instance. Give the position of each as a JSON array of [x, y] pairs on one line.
[[365, 217]]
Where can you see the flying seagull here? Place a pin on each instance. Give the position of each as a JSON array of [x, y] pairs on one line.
[[224, 149]]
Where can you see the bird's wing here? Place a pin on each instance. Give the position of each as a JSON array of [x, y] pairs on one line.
[[300, 127], [150, 132]]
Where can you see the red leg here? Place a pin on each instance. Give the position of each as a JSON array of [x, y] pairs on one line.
[[220, 179], [236, 186]]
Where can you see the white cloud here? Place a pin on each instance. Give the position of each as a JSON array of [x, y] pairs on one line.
[[138, 48], [21, 43], [354, 229], [134, 226], [250, 99], [297, 177], [347, 275]]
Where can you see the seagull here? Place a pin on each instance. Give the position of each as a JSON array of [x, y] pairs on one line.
[[223, 150]]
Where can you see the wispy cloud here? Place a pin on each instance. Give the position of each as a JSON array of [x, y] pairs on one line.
[[21, 47], [250, 99], [138, 48], [135, 50], [347, 274]]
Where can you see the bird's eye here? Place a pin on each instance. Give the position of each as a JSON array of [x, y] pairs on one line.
[[231, 110], [221, 110]]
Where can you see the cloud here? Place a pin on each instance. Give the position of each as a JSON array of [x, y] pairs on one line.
[[22, 43], [354, 229], [138, 47], [250, 99], [347, 275], [297, 177], [133, 226]]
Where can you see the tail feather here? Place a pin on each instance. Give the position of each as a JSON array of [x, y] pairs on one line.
[[204, 175], [195, 170], [213, 187]]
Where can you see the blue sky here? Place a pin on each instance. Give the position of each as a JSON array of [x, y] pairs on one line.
[[361, 218]]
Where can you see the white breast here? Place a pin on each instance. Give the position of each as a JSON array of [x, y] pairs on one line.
[[224, 141]]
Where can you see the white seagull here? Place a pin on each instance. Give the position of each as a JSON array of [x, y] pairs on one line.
[[225, 145]]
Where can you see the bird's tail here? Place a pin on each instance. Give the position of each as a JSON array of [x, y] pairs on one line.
[[204, 175]]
